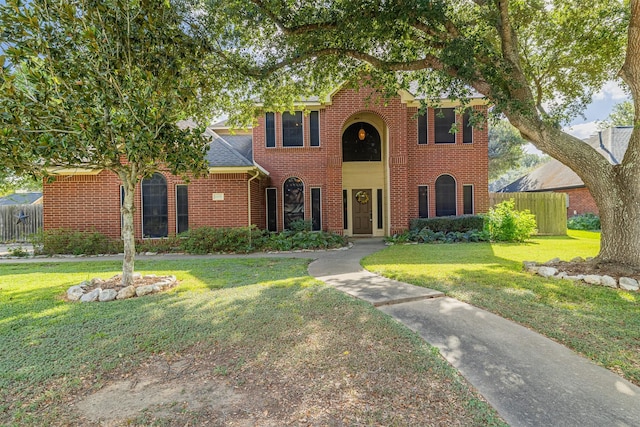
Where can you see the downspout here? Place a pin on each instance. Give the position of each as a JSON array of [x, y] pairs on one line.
[[249, 202]]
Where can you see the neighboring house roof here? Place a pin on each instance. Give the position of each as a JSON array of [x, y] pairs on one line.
[[21, 199], [612, 143]]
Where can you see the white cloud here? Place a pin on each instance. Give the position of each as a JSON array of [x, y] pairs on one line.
[[611, 90], [582, 130]]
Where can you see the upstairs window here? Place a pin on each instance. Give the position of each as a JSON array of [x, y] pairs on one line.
[[467, 129], [444, 120], [422, 128], [314, 129], [270, 130], [292, 135]]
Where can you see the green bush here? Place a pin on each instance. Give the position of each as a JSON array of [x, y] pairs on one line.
[[71, 242], [447, 224], [586, 221], [505, 224], [207, 240], [426, 235]]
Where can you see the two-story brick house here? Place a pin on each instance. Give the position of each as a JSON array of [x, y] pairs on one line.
[[347, 163]]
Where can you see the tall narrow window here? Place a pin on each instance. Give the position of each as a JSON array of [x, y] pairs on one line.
[[270, 130], [121, 204], [316, 210], [345, 210], [314, 129], [293, 201], [444, 119], [379, 197], [423, 201], [182, 209], [155, 218], [445, 195], [272, 210], [467, 129], [292, 129], [422, 128], [467, 199]]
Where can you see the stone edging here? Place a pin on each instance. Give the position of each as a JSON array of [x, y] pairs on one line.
[[79, 292], [545, 270]]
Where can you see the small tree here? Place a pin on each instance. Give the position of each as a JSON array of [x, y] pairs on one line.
[[103, 85], [505, 224]]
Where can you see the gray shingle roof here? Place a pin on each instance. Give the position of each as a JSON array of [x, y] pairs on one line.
[[612, 143], [20, 199], [230, 150]]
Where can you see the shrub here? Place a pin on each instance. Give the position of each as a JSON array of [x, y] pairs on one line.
[[586, 221], [206, 240], [505, 224], [426, 235], [446, 224], [62, 241]]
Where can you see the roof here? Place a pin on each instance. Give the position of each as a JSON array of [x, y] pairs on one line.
[[230, 150], [20, 199], [612, 143]]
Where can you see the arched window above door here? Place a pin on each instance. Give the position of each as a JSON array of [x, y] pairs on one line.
[[361, 143]]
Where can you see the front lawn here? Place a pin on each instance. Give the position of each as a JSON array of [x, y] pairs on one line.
[[601, 323], [250, 342]]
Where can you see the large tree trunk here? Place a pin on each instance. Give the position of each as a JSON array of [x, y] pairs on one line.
[[129, 183]]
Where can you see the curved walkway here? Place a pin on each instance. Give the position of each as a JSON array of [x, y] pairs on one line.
[[529, 379]]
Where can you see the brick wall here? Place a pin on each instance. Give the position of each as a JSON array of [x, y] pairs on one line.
[[410, 164], [93, 202], [580, 202]]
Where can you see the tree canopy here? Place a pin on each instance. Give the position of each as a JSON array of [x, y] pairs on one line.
[[104, 85], [537, 61]]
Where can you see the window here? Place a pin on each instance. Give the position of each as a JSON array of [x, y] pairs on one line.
[[345, 212], [293, 201], [270, 130], [155, 218], [272, 210], [316, 210], [423, 201], [121, 204], [445, 195], [467, 129], [182, 209], [379, 196], [444, 119], [467, 199], [292, 129], [422, 128], [361, 143], [314, 129]]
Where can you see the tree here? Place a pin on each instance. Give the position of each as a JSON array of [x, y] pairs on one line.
[[104, 85], [505, 148], [538, 62], [622, 115]]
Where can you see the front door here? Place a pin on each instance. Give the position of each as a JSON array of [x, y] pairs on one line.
[[362, 219]]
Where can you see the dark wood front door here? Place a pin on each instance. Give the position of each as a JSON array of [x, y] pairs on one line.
[[362, 220]]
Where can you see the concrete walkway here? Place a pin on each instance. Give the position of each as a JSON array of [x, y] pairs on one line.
[[529, 379]]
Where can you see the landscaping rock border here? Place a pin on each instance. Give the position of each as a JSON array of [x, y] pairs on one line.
[[552, 270], [100, 290]]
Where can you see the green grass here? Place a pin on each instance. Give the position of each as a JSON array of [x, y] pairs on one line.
[[601, 323], [261, 316]]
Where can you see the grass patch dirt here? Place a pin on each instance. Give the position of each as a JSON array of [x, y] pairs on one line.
[[601, 323], [237, 342]]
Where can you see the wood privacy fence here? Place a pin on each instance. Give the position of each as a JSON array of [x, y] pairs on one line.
[[550, 209], [11, 230]]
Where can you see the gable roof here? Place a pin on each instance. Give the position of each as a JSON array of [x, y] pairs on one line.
[[229, 151], [21, 199], [612, 143]]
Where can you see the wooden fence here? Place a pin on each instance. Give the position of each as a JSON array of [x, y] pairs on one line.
[[550, 209], [13, 230]]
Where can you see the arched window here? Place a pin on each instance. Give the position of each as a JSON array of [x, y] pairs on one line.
[[361, 143], [445, 195], [293, 191], [155, 221]]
